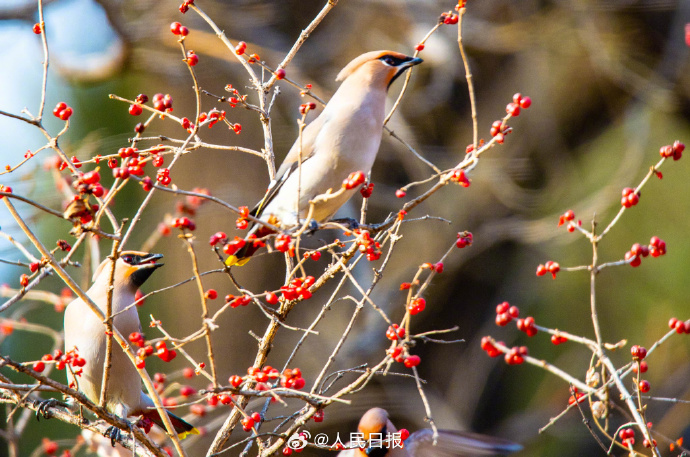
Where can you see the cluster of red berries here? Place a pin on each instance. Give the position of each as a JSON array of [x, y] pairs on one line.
[[675, 150], [656, 248], [459, 176], [416, 306], [242, 222], [249, 421], [448, 18], [304, 108], [183, 223], [638, 353], [292, 379], [184, 7], [314, 255], [527, 326], [548, 267], [354, 179], [62, 111], [229, 248], [165, 354], [178, 29], [297, 288], [283, 243], [506, 313], [464, 239], [367, 189], [569, 218], [163, 176], [627, 436], [516, 355], [163, 102], [518, 102], [61, 360], [398, 354], [236, 302], [368, 245], [630, 197], [679, 326], [499, 129], [89, 183], [488, 347], [395, 332], [558, 339]]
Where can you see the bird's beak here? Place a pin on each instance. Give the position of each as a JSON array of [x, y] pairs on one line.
[[146, 266], [150, 261], [412, 63]]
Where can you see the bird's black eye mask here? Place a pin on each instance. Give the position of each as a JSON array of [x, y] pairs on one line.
[[399, 62], [393, 61]]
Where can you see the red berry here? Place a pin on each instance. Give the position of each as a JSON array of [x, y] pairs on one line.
[[39, 366], [513, 109], [638, 352], [37, 28], [192, 58], [419, 47], [644, 386], [24, 280], [400, 193], [175, 28], [135, 109], [240, 48], [211, 294], [65, 113], [526, 102], [280, 73], [411, 361]]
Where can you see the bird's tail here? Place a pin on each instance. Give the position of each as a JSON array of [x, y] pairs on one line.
[[251, 245], [182, 427]]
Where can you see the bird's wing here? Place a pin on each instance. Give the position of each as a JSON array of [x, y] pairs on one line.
[[453, 443], [291, 162]]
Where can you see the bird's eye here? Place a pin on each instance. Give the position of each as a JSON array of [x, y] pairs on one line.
[[388, 60], [129, 259]]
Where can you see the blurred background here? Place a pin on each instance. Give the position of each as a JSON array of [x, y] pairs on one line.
[[609, 84]]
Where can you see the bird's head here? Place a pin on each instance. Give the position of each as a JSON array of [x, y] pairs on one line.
[[378, 67], [132, 269], [376, 425]]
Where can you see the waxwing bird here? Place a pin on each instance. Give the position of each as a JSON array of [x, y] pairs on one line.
[[85, 331], [375, 427], [344, 138]]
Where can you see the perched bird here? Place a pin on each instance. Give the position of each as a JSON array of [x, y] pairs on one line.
[[85, 331], [375, 427], [344, 138]]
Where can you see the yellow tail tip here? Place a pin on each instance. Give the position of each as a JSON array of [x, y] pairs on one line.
[[183, 435], [234, 260]]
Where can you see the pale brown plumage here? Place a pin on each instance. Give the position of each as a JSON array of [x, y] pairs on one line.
[[85, 331], [375, 425], [343, 139]]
